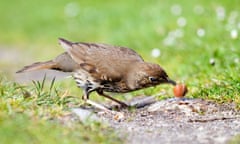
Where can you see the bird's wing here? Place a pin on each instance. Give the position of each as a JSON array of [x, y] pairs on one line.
[[103, 61]]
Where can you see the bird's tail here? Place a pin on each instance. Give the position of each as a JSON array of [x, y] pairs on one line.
[[38, 66]]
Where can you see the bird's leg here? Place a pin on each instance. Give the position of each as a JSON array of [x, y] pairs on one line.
[[101, 93], [85, 97]]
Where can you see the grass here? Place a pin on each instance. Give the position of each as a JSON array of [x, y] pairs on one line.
[[198, 41], [235, 140], [38, 115]]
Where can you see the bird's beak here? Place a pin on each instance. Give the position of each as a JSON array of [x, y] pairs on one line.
[[171, 81]]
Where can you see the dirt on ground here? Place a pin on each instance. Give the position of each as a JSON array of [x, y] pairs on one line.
[[174, 121]]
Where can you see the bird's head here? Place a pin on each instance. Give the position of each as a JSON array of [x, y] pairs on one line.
[[147, 75]]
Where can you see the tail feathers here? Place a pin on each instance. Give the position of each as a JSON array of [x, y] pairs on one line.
[[38, 66]]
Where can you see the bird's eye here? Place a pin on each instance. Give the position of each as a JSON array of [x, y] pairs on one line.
[[153, 79]]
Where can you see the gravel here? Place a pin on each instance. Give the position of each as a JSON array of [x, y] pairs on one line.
[[176, 121]]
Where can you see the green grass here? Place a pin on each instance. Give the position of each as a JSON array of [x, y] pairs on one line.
[[21, 129], [33, 28], [38, 115], [235, 140]]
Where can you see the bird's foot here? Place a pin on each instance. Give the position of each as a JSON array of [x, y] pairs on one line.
[[118, 116], [118, 106], [96, 105]]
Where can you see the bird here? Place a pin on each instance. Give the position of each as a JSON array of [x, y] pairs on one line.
[[104, 68]]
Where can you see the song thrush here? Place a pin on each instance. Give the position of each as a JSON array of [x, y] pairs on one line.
[[104, 68]]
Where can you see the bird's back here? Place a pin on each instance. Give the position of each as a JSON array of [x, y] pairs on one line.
[[102, 60]]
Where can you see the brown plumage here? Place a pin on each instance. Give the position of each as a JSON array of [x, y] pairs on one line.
[[102, 67], [63, 62]]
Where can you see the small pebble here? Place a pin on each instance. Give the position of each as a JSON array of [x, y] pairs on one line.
[[119, 116]]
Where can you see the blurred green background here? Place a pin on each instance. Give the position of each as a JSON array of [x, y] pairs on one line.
[[187, 33], [196, 42]]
